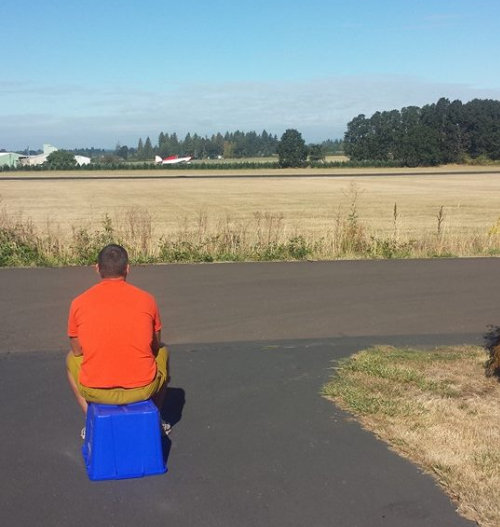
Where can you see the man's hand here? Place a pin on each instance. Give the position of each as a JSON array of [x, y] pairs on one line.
[[76, 347]]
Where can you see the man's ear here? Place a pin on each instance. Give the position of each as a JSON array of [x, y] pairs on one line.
[[97, 268], [127, 270]]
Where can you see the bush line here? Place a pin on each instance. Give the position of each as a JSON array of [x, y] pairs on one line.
[[264, 238], [237, 165]]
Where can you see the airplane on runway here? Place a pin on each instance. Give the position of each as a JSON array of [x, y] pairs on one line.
[[172, 160]]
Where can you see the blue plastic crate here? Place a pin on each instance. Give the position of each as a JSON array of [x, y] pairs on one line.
[[123, 441]]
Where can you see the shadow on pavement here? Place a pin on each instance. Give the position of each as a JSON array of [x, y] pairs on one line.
[[171, 412]]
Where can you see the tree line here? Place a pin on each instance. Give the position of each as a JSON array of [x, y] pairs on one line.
[[231, 145], [440, 133], [290, 150]]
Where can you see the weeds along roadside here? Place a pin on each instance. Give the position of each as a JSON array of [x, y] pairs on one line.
[[265, 237]]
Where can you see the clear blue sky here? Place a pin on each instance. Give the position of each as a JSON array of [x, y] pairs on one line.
[[98, 72]]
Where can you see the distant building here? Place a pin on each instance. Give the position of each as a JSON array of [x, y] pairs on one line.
[[40, 159], [9, 159], [82, 160], [34, 160], [48, 149]]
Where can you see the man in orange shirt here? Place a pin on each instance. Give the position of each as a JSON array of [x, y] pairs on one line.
[[115, 333]]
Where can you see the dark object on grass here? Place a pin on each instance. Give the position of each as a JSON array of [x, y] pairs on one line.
[[492, 344]]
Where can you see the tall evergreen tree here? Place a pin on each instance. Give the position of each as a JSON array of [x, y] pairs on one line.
[[140, 150], [148, 152], [161, 143]]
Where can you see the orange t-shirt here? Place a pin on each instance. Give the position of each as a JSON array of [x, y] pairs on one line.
[[115, 323]]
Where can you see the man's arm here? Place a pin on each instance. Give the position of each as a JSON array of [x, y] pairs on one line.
[[156, 340], [76, 347]]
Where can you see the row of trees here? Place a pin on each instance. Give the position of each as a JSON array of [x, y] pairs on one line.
[[291, 150], [230, 145], [440, 133], [445, 132]]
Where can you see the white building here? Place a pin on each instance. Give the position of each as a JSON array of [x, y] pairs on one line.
[[40, 159], [82, 160], [9, 159], [48, 149]]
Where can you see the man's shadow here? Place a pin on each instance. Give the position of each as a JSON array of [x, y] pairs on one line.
[[171, 412], [492, 345]]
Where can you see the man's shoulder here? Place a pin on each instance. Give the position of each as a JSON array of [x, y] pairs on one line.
[[99, 292], [139, 293], [85, 294]]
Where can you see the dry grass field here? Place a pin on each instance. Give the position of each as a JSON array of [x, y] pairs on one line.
[[308, 206]]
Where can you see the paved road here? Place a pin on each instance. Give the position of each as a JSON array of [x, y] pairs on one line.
[[186, 174], [253, 443]]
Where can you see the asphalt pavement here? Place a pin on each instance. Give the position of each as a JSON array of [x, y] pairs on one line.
[[253, 442], [216, 174]]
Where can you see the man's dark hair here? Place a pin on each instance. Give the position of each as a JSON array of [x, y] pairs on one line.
[[113, 261]]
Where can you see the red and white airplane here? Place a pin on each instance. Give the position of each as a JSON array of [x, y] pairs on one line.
[[172, 160]]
